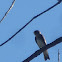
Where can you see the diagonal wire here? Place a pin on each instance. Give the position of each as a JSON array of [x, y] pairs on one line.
[[38, 52], [7, 11], [30, 22]]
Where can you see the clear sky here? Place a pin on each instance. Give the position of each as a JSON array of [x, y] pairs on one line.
[[23, 44]]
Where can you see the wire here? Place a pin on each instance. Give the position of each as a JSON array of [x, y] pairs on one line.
[[29, 22], [39, 51], [8, 11]]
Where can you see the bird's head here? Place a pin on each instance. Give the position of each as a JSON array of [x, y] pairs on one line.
[[37, 32]]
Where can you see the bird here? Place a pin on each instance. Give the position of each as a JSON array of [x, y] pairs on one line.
[[41, 42]]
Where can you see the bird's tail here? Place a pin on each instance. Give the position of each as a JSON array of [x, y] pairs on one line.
[[46, 56]]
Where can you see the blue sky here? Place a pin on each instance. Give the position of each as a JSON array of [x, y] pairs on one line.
[[23, 44]]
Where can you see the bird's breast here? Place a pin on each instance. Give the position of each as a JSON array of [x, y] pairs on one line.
[[40, 43]]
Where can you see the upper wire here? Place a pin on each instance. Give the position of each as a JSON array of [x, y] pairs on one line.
[[7, 11], [30, 22]]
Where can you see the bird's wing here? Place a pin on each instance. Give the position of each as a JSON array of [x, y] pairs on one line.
[[35, 40], [43, 39]]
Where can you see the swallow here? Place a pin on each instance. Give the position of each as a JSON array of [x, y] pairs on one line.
[[41, 42]]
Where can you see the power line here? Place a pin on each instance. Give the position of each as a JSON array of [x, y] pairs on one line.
[[39, 51], [7, 11], [30, 22]]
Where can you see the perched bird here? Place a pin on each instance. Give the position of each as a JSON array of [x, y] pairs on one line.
[[41, 42]]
